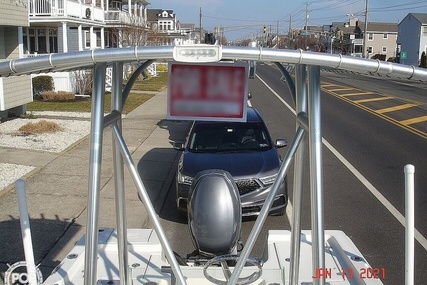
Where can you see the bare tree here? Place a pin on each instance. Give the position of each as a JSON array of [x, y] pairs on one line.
[[82, 82], [135, 33]]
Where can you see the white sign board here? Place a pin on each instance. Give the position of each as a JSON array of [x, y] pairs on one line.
[[209, 92]]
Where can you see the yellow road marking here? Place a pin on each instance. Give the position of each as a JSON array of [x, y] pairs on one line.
[[372, 99], [355, 94], [414, 120], [405, 124], [395, 108], [328, 85], [341, 89]]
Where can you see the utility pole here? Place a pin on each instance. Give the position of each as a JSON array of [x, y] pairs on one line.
[[306, 24], [200, 24], [290, 35], [365, 32]]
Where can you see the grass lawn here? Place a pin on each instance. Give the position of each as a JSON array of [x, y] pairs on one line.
[[84, 105], [157, 83]]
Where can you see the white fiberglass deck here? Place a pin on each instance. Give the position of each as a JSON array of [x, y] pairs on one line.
[[344, 264]]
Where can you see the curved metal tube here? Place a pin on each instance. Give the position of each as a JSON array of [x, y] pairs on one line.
[[77, 60], [132, 80], [289, 80]]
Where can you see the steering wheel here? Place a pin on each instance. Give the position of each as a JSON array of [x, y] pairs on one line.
[[249, 140], [222, 260]]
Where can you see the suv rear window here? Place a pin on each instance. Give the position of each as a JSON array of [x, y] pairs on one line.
[[229, 136]]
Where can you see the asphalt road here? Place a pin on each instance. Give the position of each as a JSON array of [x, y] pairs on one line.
[[376, 151]]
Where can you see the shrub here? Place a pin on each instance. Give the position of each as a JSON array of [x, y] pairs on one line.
[[380, 57], [162, 67], [57, 96], [40, 127], [42, 83]]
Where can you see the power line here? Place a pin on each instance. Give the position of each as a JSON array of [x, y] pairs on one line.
[[301, 15]]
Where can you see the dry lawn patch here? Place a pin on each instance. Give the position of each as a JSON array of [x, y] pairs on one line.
[[57, 96], [40, 127]]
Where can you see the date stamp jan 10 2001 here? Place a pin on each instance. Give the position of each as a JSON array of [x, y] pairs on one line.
[[350, 273]]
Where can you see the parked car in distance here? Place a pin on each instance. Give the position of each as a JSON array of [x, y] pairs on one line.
[[244, 149]]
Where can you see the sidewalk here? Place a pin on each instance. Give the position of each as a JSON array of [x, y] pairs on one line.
[[57, 192]]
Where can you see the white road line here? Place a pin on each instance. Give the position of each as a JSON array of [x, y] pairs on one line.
[[418, 236], [383, 200]]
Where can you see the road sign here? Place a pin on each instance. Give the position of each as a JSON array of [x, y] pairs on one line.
[[214, 92]]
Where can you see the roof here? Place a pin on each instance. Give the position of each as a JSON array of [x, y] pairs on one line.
[[187, 26], [372, 27], [154, 14], [382, 27], [142, 2], [421, 17]]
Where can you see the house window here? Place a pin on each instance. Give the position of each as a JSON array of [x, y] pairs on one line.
[[370, 36], [53, 40], [87, 39], [107, 39], [29, 40], [98, 38], [41, 40], [384, 49], [370, 49], [165, 25], [385, 36], [425, 32]]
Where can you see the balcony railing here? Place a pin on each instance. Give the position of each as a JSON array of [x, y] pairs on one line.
[[65, 8], [118, 16], [27, 55], [357, 41]]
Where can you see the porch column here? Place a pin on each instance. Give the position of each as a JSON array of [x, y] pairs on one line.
[[92, 42], [64, 37], [65, 9], [33, 10], [102, 38], [130, 7], [80, 37], [120, 39], [21, 42], [29, 51]]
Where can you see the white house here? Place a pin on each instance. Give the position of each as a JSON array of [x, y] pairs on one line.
[[58, 26], [15, 92], [380, 40], [412, 38], [166, 29]]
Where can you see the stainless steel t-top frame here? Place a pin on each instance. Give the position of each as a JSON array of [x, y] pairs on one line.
[[306, 92]]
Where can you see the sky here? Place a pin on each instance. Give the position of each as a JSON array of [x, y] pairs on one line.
[[242, 19]]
